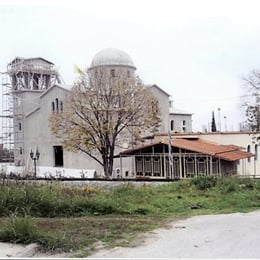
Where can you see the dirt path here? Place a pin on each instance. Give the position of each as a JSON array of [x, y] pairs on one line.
[[210, 236]]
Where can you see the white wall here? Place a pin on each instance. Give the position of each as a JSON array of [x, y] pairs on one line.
[[163, 100], [178, 122]]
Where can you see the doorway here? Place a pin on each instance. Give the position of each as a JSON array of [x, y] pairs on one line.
[[58, 156]]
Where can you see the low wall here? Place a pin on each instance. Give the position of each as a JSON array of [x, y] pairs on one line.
[[50, 172]]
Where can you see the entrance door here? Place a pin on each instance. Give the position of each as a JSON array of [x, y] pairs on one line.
[[58, 156]]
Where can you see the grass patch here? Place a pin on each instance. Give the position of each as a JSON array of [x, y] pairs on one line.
[[65, 218], [77, 235]]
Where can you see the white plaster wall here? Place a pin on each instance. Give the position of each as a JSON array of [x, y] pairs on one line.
[[39, 135], [178, 122], [24, 102], [163, 100]]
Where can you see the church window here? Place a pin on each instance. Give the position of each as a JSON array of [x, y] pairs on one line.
[[172, 125], [113, 73], [57, 104], [52, 106]]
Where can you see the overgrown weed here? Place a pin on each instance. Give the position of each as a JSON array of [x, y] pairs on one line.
[[54, 216]]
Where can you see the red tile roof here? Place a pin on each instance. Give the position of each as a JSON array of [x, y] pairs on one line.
[[226, 152]]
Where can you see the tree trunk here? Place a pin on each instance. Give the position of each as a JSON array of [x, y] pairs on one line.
[[108, 162]]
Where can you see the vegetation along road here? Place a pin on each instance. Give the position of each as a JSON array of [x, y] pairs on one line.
[[79, 220]]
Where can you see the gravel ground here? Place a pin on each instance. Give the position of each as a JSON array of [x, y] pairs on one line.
[[209, 236]]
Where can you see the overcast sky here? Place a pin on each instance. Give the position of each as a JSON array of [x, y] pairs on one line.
[[197, 51]]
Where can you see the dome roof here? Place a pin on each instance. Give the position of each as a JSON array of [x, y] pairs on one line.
[[111, 56]]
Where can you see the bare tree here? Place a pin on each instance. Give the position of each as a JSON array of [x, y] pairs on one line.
[[252, 100], [102, 112]]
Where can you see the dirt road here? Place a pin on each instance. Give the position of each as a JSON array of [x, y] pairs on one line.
[[210, 236]]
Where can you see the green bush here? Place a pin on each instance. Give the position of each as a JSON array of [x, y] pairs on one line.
[[204, 182], [228, 184], [247, 184]]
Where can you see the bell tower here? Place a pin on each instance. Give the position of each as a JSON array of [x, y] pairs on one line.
[[28, 79]]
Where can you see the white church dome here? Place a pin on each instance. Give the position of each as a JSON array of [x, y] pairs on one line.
[[112, 56]]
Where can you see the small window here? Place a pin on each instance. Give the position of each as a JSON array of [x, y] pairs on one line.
[[256, 151], [20, 126], [52, 106], [61, 106], [21, 150], [172, 125], [183, 122], [184, 129], [113, 73]]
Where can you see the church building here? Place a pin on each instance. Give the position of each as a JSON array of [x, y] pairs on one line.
[[36, 91]]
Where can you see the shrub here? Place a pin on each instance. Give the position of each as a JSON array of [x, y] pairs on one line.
[[247, 184], [19, 230], [204, 182], [228, 184], [24, 230]]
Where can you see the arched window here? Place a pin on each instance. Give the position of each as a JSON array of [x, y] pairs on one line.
[[248, 150], [52, 106], [172, 125], [256, 151], [57, 104]]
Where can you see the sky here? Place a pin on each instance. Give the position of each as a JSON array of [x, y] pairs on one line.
[[197, 51]]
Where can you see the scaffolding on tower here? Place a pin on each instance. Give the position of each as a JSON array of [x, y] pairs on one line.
[[7, 119], [22, 85]]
